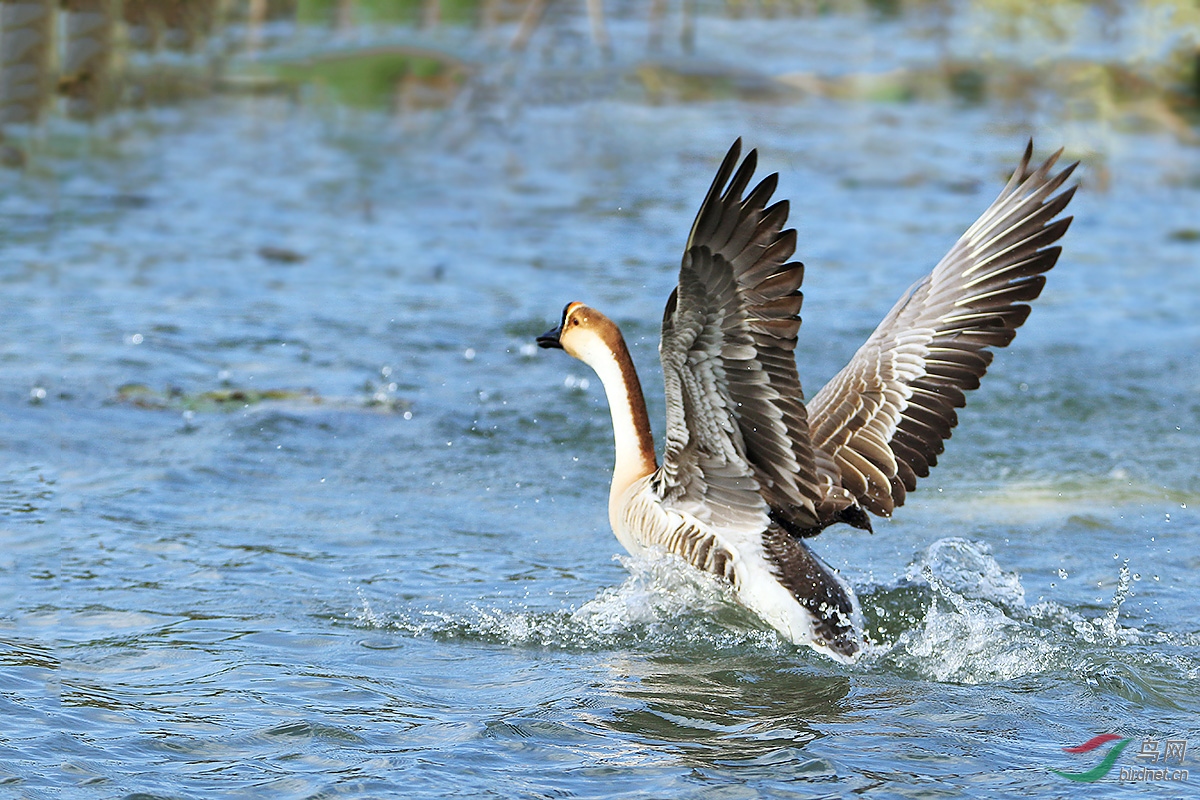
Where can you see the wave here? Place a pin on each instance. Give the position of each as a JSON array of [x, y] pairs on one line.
[[663, 603], [956, 616]]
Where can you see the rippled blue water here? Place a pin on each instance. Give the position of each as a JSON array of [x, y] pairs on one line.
[[396, 577]]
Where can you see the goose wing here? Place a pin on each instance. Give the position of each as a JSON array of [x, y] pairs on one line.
[[737, 448], [884, 417]]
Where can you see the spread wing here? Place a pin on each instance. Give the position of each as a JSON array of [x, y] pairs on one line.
[[884, 417], [737, 445]]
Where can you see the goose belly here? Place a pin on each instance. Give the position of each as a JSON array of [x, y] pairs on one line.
[[774, 575]]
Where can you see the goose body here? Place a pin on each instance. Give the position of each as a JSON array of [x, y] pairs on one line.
[[749, 472]]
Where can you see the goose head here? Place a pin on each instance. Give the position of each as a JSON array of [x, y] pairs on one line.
[[596, 340], [586, 334]]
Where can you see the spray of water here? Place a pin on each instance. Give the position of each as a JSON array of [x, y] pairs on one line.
[[956, 616]]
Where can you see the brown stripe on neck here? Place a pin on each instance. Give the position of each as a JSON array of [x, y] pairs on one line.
[[637, 400]]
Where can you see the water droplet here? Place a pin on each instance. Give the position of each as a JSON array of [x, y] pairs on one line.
[[469, 354], [385, 372], [408, 415]]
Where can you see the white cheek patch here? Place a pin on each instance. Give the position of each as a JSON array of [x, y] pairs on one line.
[[585, 345]]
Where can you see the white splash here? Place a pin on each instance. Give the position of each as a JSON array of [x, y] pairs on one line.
[[971, 626], [659, 589], [663, 601], [967, 568], [968, 635], [1104, 629]]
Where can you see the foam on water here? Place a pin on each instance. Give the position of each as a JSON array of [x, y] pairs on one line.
[[662, 603], [956, 617], [659, 591], [970, 631], [961, 640], [970, 624], [958, 566]]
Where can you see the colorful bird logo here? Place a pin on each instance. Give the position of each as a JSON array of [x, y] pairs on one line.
[[1106, 764]]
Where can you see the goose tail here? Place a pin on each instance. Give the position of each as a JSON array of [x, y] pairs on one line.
[[832, 611]]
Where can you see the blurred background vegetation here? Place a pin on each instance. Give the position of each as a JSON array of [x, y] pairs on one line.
[[1131, 65]]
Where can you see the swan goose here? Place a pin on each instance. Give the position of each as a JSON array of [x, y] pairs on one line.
[[749, 472]]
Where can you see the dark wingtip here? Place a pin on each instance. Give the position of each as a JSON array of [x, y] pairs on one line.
[[1070, 168], [731, 159]]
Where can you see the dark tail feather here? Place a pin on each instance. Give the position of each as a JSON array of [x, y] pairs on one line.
[[817, 588]]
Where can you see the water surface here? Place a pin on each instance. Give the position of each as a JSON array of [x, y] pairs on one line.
[[292, 507]]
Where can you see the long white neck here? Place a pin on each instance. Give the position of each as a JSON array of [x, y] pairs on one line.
[[609, 357]]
